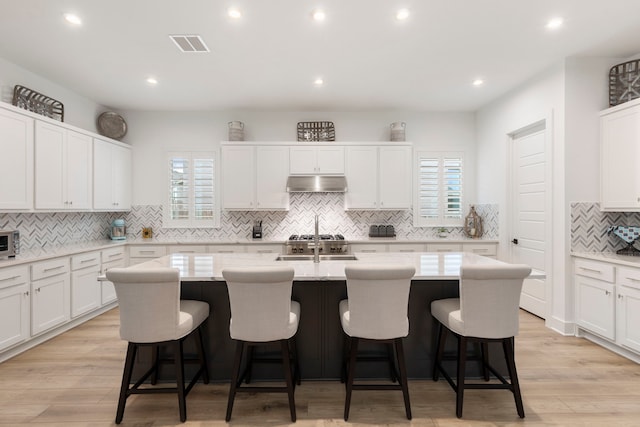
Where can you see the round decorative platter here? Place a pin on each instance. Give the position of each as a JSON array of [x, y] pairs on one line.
[[112, 125]]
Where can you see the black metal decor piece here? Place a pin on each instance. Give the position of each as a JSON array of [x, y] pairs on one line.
[[38, 103]]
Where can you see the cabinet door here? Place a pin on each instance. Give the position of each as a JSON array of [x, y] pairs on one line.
[[394, 178], [595, 306], [102, 172], [238, 177], [330, 160], [85, 291], [361, 173], [620, 153], [50, 166], [121, 170], [271, 177], [302, 160], [79, 171], [628, 317], [14, 306], [49, 303], [16, 174]]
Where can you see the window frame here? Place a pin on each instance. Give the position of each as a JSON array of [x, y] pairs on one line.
[[191, 222], [441, 220]]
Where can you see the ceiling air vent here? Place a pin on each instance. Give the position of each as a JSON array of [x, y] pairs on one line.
[[189, 43]]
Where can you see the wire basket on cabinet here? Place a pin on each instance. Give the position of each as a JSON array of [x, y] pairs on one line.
[[30, 100], [316, 131], [624, 82]]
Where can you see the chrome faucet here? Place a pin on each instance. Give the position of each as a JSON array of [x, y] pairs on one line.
[[316, 244]]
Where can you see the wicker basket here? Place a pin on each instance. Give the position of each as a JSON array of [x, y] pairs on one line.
[[38, 103], [316, 131], [624, 82]]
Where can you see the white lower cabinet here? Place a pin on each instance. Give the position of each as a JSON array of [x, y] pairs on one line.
[[110, 258], [608, 303], [187, 249], [225, 249], [139, 254], [444, 247], [628, 308], [50, 287], [265, 248], [595, 297], [368, 247], [14, 306], [85, 287]]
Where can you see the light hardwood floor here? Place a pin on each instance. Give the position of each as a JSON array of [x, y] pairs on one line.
[[73, 380]]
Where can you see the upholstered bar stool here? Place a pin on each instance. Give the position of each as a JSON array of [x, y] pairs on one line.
[[152, 314], [262, 312], [376, 310], [487, 311]]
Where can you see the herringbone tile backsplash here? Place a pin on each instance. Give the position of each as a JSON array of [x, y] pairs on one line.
[[53, 229], [589, 227]]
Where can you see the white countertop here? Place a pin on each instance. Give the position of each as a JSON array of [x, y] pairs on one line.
[[429, 265], [631, 261]]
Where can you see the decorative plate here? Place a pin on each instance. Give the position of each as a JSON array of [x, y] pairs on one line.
[[112, 125]]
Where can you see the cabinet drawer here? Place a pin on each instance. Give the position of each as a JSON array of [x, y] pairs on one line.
[[40, 270], [88, 260], [115, 254], [444, 247], [594, 269], [629, 277], [406, 247], [480, 249], [265, 249], [368, 247], [187, 249], [225, 249], [13, 276], [147, 251]]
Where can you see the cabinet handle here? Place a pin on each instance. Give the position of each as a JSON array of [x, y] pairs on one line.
[[26, 294], [53, 268], [406, 250], [591, 269], [633, 279], [225, 252], [620, 296], [607, 293], [38, 290], [87, 260], [6, 279], [147, 252]]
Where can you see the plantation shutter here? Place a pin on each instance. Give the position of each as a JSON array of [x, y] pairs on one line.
[[440, 188]]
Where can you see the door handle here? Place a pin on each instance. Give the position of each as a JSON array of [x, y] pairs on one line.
[[514, 241]]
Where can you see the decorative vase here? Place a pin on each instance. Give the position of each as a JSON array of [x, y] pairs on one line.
[[236, 131], [397, 131]]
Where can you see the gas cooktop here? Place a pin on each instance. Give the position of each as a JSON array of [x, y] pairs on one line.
[[299, 237]]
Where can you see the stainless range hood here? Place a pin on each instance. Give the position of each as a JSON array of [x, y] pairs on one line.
[[317, 183]]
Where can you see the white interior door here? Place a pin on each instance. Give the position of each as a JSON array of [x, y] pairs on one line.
[[528, 213]]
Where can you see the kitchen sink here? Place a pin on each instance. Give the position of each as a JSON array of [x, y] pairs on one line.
[[335, 257]]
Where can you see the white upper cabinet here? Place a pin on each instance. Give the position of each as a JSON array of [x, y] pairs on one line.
[[63, 168], [378, 177], [255, 178], [112, 176], [16, 174], [620, 156], [312, 160]]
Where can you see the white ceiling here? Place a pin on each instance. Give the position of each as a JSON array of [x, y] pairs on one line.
[[270, 57]]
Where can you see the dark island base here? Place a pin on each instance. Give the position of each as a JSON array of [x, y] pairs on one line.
[[320, 338]]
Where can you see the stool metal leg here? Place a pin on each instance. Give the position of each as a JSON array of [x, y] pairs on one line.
[[286, 363], [353, 353], [462, 359], [403, 376], [234, 379], [179, 361], [126, 380], [442, 339], [509, 354]]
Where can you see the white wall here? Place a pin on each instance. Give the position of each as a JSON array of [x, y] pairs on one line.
[[152, 134], [539, 99], [78, 110]]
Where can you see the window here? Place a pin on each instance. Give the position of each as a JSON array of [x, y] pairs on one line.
[[191, 201], [440, 189]]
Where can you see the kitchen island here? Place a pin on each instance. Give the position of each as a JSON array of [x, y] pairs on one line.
[[319, 287]]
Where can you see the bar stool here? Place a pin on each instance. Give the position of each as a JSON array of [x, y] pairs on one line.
[[152, 314], [261, 313], [487, 311], [376, 310]]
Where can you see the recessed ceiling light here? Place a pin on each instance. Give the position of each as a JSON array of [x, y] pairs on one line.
[[318, 82], [555, 23], [72, 19], [477, 82], [152, 81], [234, 13], [319, 15], [402, 14]]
